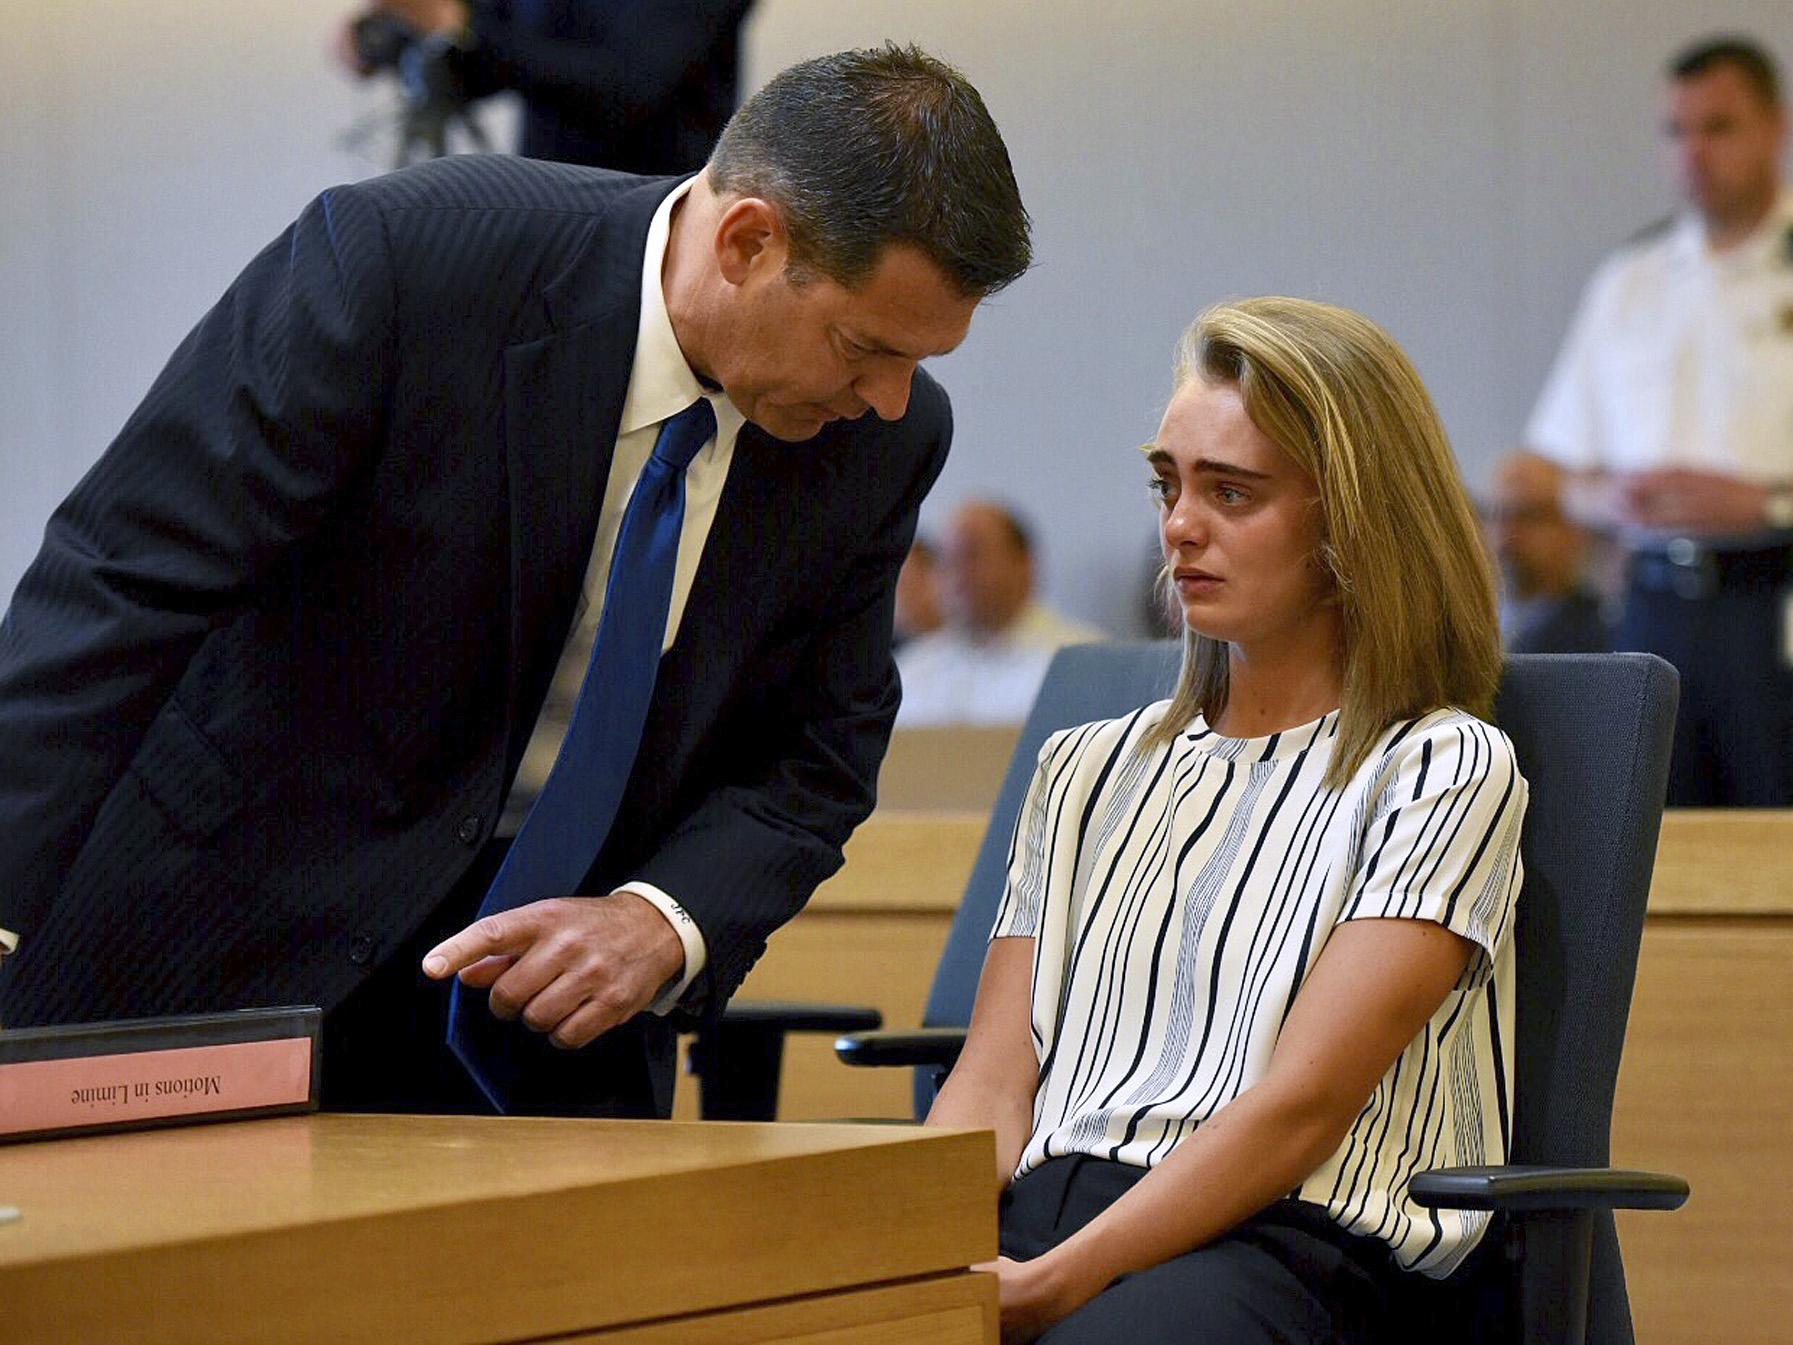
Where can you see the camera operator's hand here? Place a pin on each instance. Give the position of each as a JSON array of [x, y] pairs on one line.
[[348, 51], [364, 44], [427, 16]]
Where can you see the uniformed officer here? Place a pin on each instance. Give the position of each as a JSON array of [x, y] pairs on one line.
[[1671, 406]]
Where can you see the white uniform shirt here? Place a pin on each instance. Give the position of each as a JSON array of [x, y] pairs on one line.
[[661, 384], [952, 677], [1679, 356], [1178, 898]]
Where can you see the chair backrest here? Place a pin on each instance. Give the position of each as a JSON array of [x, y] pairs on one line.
[[1592, 733], [1083, 683]]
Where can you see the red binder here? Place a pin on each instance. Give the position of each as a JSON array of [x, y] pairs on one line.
[[125, 1075]]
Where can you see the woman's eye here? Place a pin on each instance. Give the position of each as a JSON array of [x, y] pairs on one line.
[[1230, 495], [1159, 487]]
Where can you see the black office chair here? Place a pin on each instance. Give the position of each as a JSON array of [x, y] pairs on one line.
[[1593, 734]]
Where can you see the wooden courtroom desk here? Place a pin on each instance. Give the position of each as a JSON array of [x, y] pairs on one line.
[[1707, 1084], [450, 1229], [957, 767]]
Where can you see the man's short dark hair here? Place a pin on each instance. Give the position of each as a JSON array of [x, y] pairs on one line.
[[1015, 529], [1020, 535], [863, 149], [1748, 58]]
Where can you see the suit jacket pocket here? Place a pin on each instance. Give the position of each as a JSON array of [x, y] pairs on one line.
[[187, 777]]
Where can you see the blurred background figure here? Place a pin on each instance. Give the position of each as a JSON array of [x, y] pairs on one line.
[[1671, 406], [638, 87], [984, 665], [1546, 603], [917, 593]]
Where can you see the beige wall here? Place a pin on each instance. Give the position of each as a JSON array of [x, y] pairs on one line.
[[1453, 169]]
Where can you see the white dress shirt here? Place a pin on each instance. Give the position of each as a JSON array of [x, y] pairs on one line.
[[1680, 356], [954, 677], [661, 384]]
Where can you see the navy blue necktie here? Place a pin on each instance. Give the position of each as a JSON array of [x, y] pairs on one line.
[[566, 828]]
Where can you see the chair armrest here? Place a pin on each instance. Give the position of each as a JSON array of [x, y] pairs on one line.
[[794, 1016], [1520, 1189], [739, 1057], [936, 1046]]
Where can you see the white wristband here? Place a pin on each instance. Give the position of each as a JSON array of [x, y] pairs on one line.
[[696, 954]]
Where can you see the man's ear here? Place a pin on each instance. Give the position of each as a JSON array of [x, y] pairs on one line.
[[750, 238]]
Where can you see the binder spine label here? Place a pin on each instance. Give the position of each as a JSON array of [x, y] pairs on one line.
[[71, 1093]]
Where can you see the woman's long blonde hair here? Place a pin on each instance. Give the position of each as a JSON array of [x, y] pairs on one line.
[[1398, 534]]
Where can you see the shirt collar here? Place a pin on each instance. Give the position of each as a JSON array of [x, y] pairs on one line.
[[1770, 244], [661, 383], [1687, 242]]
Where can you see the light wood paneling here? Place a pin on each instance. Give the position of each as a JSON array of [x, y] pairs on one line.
[[1735, 861], [906, 861], [1707, 1084], [944, 769], [1707, 1091], [885, 961], [452, 1229], [871, 935], [954, 1310]]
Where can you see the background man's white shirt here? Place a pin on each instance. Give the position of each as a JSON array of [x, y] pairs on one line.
[[1680, 357], [951, 677]]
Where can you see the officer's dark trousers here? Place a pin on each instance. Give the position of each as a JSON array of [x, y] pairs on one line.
[[1719, 621], [1289, 1274], [385, 1047]]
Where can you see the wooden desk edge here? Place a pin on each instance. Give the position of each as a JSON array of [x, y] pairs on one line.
[[1724, 862], [840, 1218]]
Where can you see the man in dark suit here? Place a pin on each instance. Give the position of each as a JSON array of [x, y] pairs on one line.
[[269, 692]]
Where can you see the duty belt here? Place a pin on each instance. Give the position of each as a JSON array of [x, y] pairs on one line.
[[1692, 570]]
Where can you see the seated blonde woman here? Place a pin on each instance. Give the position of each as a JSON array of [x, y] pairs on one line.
[[1253, 969]]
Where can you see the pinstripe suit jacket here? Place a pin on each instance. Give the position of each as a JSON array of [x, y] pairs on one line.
[[264, 686]]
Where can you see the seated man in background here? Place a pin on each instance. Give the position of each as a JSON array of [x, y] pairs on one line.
[[917, 594], [1546, 605], [985, 664]]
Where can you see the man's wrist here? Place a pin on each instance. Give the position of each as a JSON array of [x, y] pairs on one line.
[[690, 938], [1777, 506], [460, 27], [450, 18]]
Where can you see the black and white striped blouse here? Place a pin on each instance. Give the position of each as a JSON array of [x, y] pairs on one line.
[[1178, 898]]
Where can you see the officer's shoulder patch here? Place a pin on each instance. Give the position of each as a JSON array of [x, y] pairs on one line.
[[1652, 232]]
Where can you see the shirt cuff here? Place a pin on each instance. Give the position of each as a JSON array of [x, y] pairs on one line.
[[696, 954]]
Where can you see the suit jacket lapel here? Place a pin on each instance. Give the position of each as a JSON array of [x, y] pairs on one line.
[[764, 521]]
